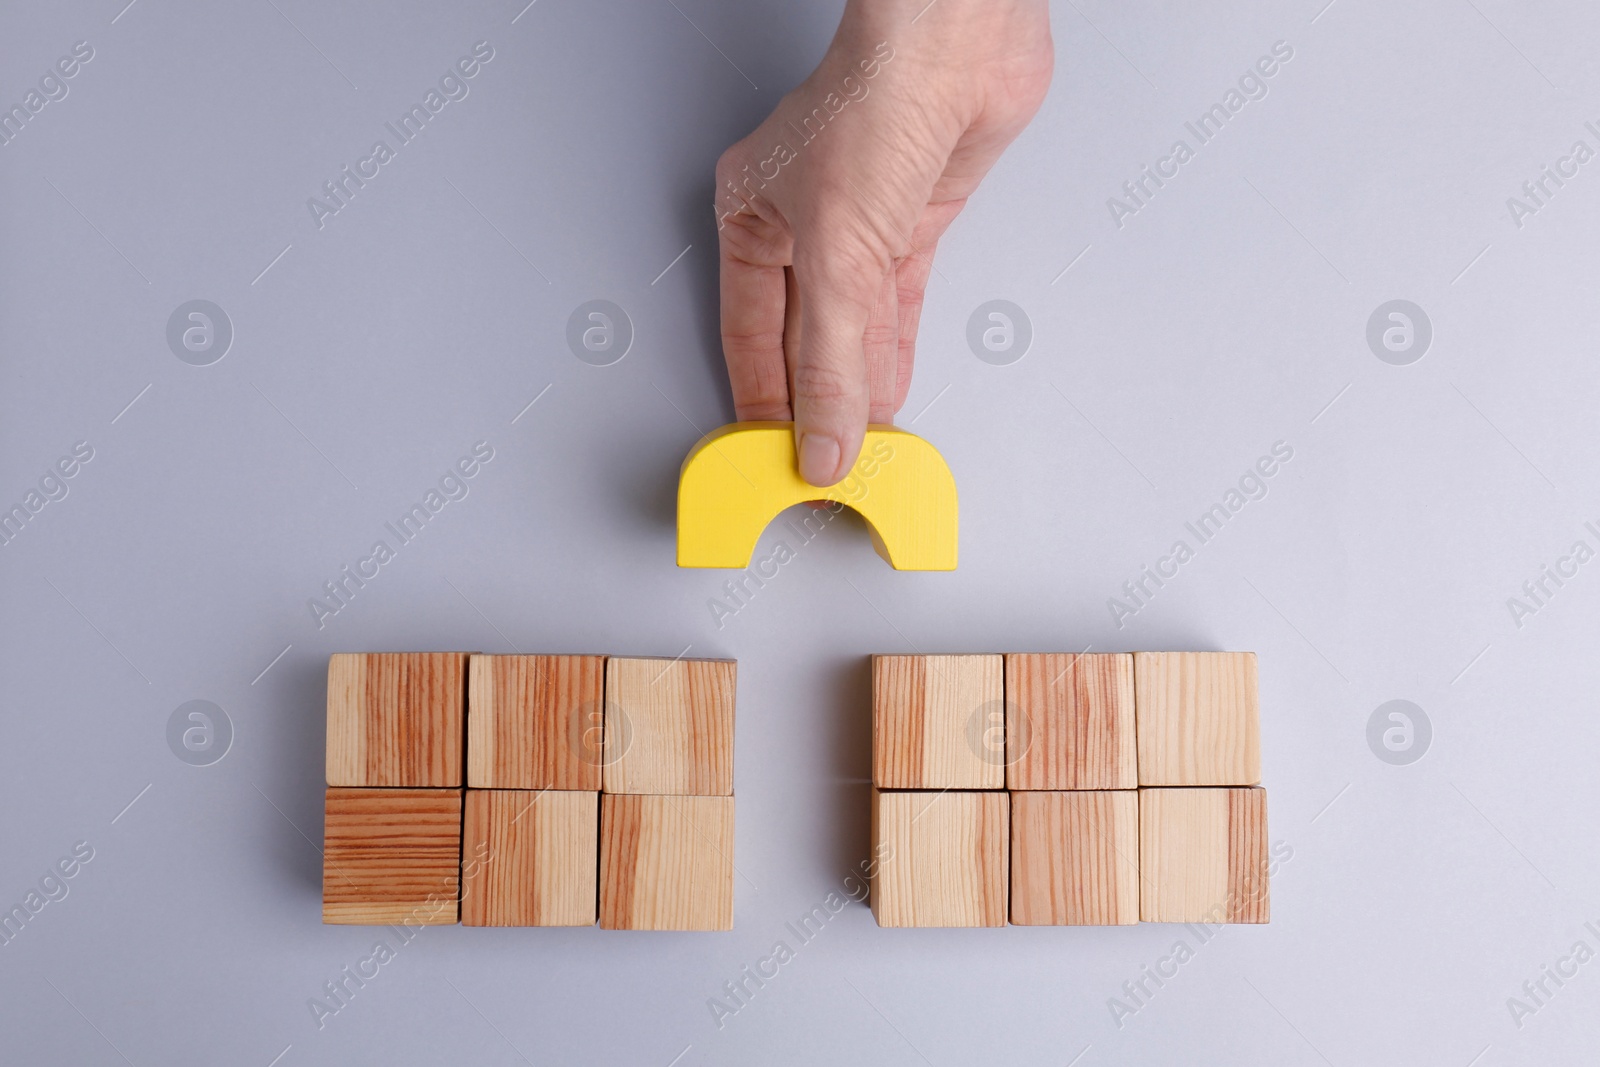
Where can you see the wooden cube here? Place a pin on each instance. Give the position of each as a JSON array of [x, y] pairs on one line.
[[1070, 721], [535, 722], [1075, 858], [666, 862], [395, 718], [1199, 718], [391, 856], [938, 722], [669, 726], [1203, 855], [942, 858], [529, 857]]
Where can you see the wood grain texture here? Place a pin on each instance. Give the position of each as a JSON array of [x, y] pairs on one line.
[[938, 722], [1075, 858], [535, 722], [666, 862], [942, 858], [530, 857], [1199, 718], [669, 726], [395, 719], [1203, 855], [1070, 721], [391, 856]]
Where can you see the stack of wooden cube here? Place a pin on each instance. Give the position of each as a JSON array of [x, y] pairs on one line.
[[529, 791], [1067, 789], [666, 859]]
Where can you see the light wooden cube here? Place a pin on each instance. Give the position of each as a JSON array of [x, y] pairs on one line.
[[535, 722], [1203, 855], [1199, 718], [669, 726], [1070, 721], [942, 858], [1075, 858], [938, 722], [391, 856], [395, 719], [529, 857], [666, 862]]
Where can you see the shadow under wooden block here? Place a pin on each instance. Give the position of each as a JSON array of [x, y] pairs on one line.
[[535, 722], [1203, 855], [942, 858], [1199, 718], [395, 719], [938, 722], [1070, 721], [529, 857], [1075, 858], [666, 862], [669, 726], [391, 856]]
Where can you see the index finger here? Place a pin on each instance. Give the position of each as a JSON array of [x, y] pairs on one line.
[[752, 296]]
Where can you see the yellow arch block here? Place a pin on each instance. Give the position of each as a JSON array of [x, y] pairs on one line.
[[738, 478]]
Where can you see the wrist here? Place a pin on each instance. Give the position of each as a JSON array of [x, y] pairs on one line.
[[958, 43]]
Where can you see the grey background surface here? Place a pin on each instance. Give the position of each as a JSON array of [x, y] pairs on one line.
[[1168, 354]]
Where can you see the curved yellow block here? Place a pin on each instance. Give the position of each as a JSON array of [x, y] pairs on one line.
[[738, 478]]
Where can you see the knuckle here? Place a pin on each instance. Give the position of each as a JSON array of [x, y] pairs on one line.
[[750, 342], [880, 335], [820, 382], [845, 276], [728, 164], [844, 251], [765, 411], [909, 298]]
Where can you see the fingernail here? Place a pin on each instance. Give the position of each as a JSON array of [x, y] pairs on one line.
[[819, 458]]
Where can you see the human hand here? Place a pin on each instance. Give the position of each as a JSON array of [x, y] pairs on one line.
[[828, 214]]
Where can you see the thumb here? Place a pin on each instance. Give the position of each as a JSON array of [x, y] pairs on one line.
[[836, 279]]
